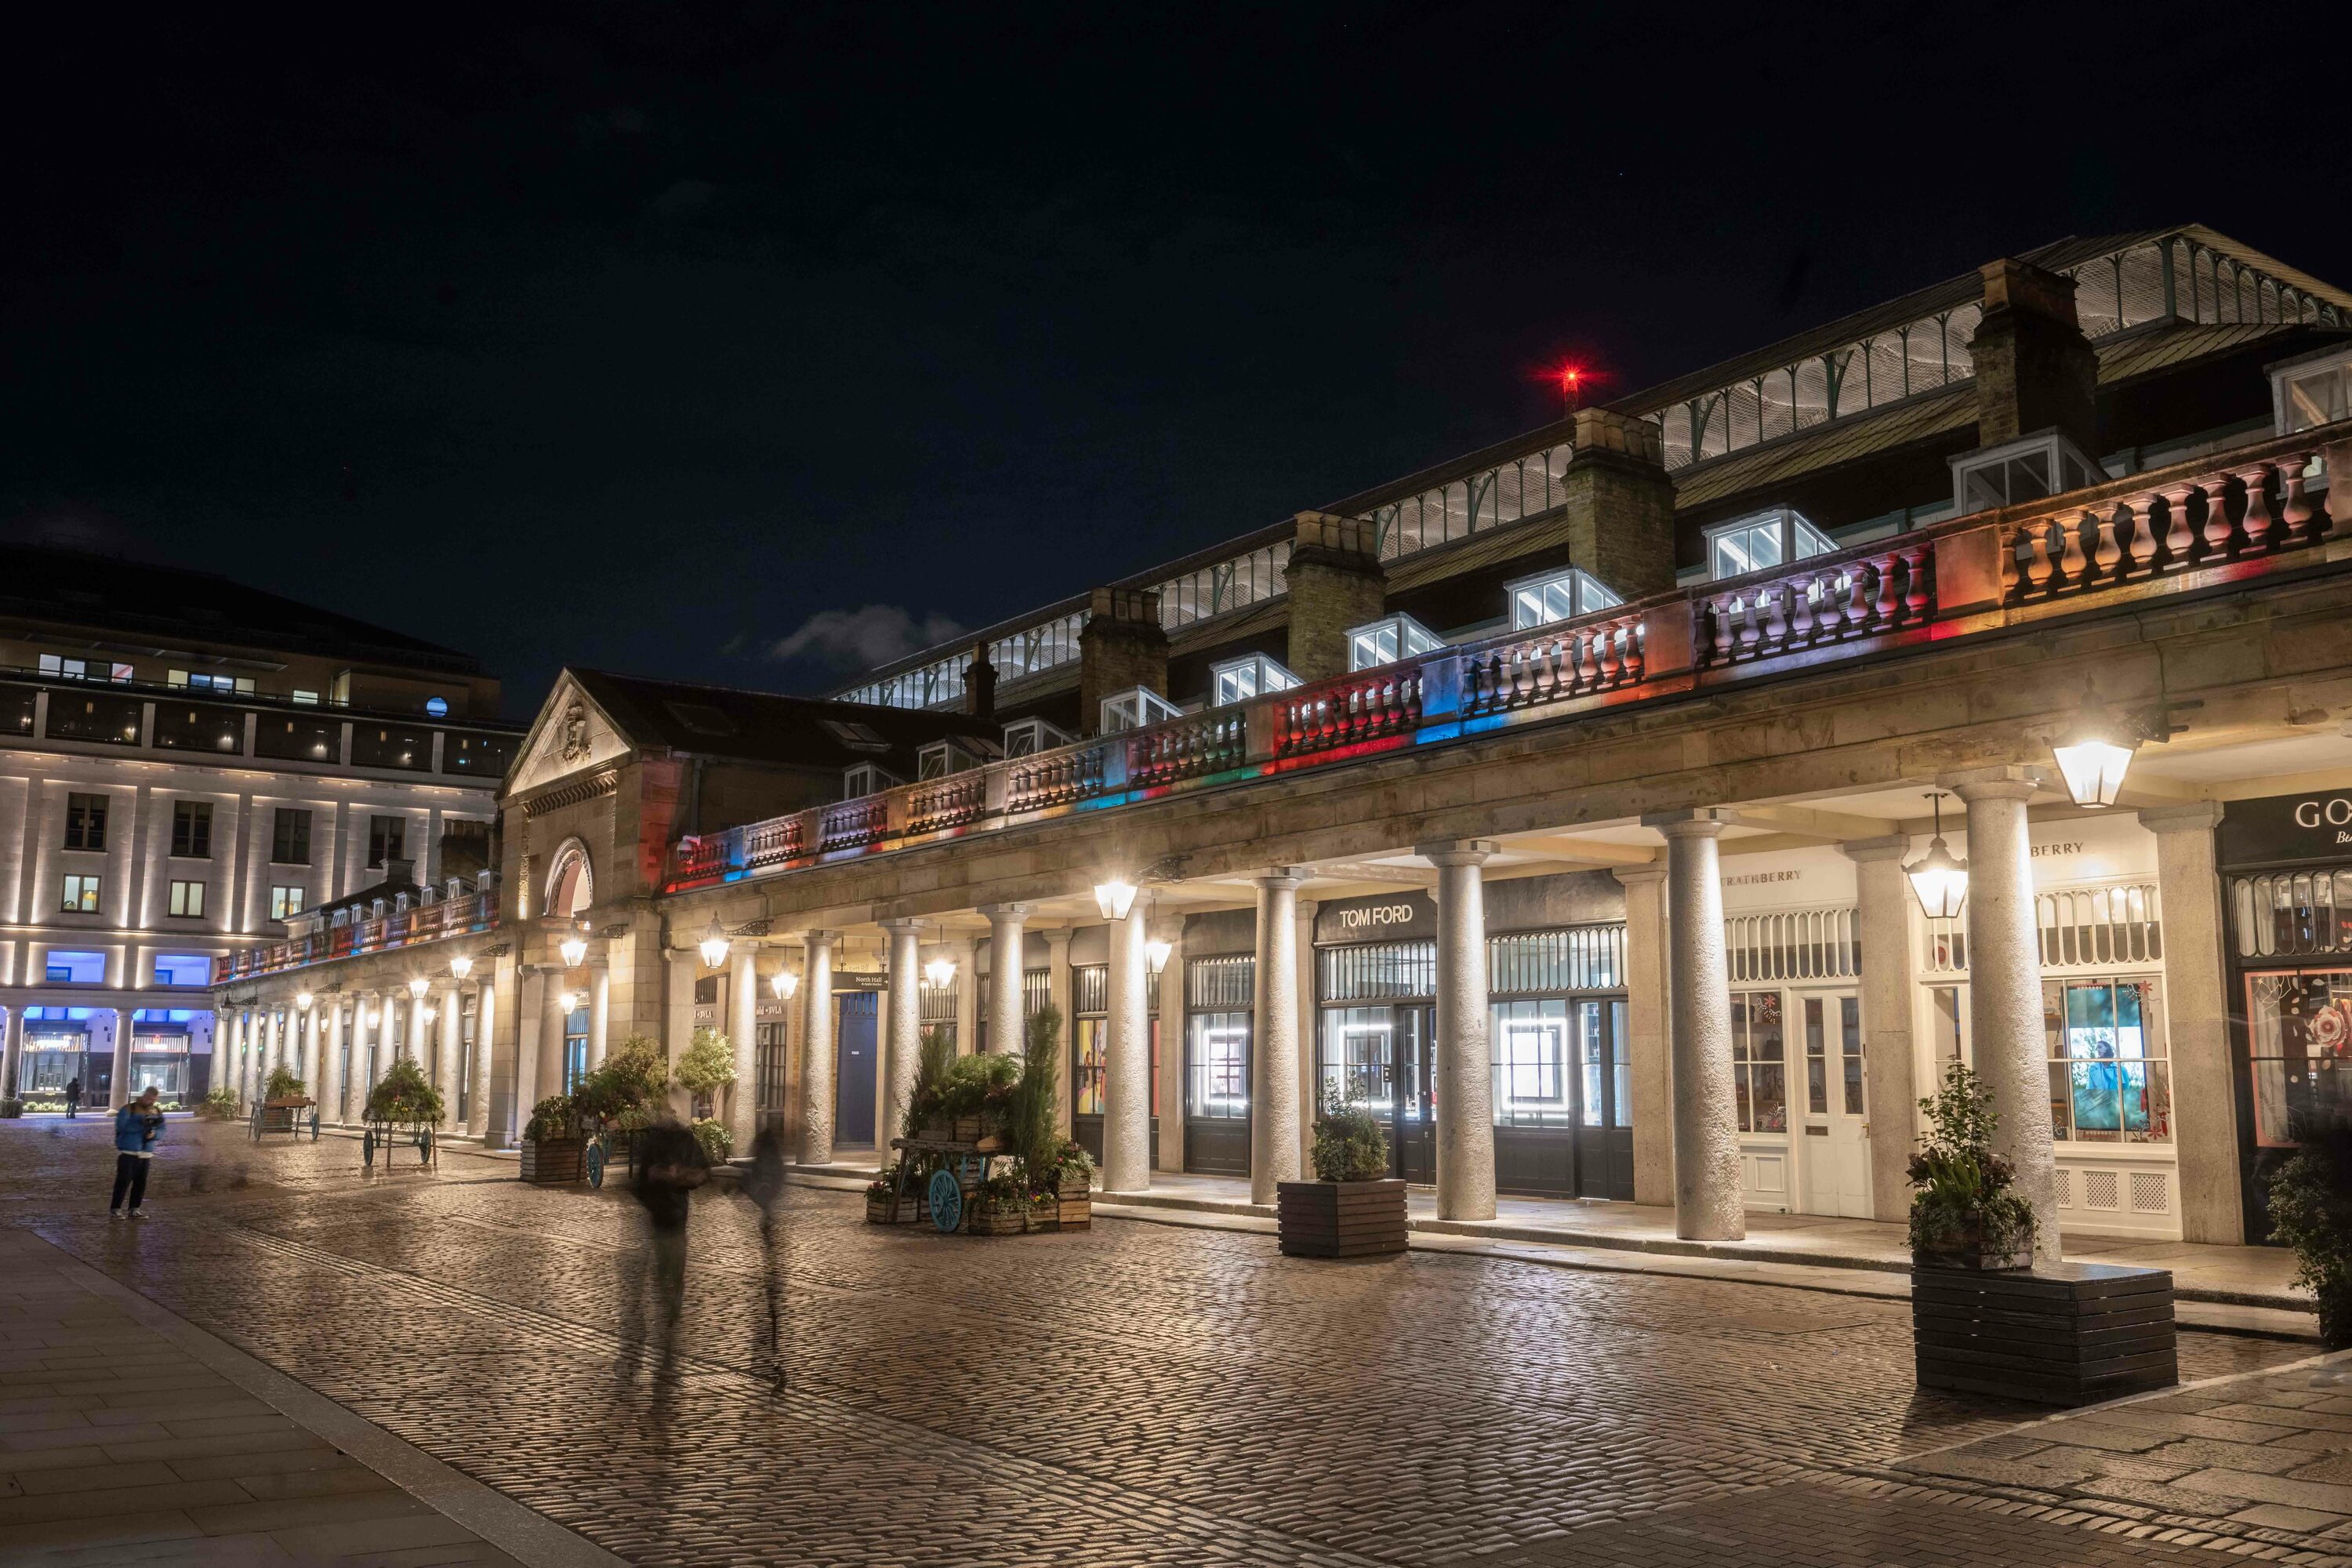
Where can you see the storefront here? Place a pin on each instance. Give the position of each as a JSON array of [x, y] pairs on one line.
[[1090, 1035], [57, 1052], [1220, 1016], [2286, 872], [162, 1059], [1556, 1029]]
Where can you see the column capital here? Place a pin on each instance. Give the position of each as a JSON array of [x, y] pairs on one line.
[[2190, 816], [818, 937], [1278, 878], [1699, 822], [1639, 876], [2003, 782], [1456, 852], [1060, 936], [1893, 847], [998, 912], [903, 925]]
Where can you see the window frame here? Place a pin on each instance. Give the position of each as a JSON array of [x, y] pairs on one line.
[[281, 840], [283, 908], [86, 821], [89, 887], [192, 830], [175, 905]]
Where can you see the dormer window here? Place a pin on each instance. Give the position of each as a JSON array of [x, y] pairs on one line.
[[2020, 472], [1556, 595], [1232, 680], [1762, 540], [940, 758], [2312, 389], [866, 779], [1389, 639], [853, 734], [1027, 737], [1136, 708]]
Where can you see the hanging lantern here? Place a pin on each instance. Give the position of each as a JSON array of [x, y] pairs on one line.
[[1939, 877], [2097, 750], [940, 973], [575, 950], [714, 946], [1114, 898], [783, 982]]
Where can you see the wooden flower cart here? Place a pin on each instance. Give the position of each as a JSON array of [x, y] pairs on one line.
[[963, 1165], [294, 1114], [384, 1135]]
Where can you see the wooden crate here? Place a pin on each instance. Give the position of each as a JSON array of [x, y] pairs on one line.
[[1340, 1219], [2070, 1333], [554, 1162], [1007, 1221]]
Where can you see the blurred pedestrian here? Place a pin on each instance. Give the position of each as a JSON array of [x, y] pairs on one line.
[[669, 1165], [765, 1187], [73, 1096], [137, 1126]]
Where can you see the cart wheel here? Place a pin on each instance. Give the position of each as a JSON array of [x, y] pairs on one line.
[[314, 1127], [947, 1200], [596, 1164], [367, 1149], [425, 1145]]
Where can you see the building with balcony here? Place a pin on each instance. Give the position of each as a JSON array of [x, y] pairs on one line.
[[1588, 807], [189, 768]]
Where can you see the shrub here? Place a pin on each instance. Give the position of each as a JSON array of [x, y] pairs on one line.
[[553, 1117], [282, 1085], [931, 1070], [1963, 1200], [402, 1094], [1003, 1190], [706, 1064], [1350, 1145], [1063, 1160], [1031, 1121], [625, 1091], [11, 1108], [977, 1085], [717, 1143], [2311, 1211], [220, 1105]]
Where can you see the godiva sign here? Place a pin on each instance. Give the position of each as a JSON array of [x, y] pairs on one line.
[[2317, 826]]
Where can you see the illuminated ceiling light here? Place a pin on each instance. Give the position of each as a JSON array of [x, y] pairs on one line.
[[303, 1000], [714, 946], [416, 987], [1939, 877], [460, 967], [2097, 750], [430, 1014], [1114, 898], [783, 982], [940, 973], [567, 1000], [1157, 952], [575, 950]]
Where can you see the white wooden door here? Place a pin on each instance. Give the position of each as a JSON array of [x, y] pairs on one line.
[[1832, 1113]]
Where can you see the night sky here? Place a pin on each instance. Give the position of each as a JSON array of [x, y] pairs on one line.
[[638, 335]]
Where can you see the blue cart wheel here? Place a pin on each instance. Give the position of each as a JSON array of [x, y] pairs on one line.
[[367, 1149], [314, 1127], [596, 1164], [947, 1200], [425, 1145]]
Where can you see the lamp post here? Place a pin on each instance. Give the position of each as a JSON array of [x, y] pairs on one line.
[[1939, 878]]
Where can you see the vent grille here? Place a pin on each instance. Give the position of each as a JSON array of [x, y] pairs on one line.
[[2099, 1189], [2151, 1193]]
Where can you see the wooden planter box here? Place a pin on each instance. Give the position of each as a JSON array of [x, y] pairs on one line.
[[1340, 1219], [2071, 1333], [993, 1221], [1073, 1207], [907, 1210], [554, 1162]]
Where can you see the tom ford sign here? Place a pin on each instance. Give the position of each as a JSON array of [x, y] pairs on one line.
[[2313, 826], [1390, 917]]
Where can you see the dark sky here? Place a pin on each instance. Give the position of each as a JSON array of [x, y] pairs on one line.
[[636, 335]]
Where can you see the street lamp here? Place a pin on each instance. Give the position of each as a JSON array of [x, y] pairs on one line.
[[940, 973], [1939, 877], [2097, 750], [575, 950], [783, 982], [460, 967], [1157, 952], [1114, 898], [714, 946]]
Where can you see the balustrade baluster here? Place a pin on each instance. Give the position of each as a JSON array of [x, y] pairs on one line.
[[2141, 540], [2107, 553], [1918, 582], [1882, 608], [2259, 521], [1857, 599], [2038, 568], [2070, 561], [2180, 538], [1802, 594]]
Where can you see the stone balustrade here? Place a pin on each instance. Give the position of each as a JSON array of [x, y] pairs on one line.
[[434, 921]]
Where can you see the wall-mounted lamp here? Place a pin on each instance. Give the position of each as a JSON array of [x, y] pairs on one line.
[[714, 946], [1114, 898], [574, 950], [303, 1000], [417, 986]]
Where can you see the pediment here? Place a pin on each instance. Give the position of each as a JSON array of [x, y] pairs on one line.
[[571, 735]]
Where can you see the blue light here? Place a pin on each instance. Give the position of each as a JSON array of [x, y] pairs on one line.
[[436, 706]]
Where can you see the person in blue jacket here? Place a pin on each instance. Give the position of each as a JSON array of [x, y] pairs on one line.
[[136, 1127]]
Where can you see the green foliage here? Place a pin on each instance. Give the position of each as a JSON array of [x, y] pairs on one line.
[[978, 1085], [885, 1183], [11, 1108], [1063, 1160], [220, 1105], [553, 1117], [624, 1092], [1031, 1126], [282, 1085], [717, 1143], [2311, 1211], [1350, 1145], [1963, 1202], [931, 1070], [1003, 1190], [707, 1063], [402, 1094]]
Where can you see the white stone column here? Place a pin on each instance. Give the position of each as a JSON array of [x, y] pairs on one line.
[[417, 1044], [1007, 958], [1890, 1088], [1464, 1072], [1275, 1125], [816, 1049], [967, 961], [741, 1107], [1127, 1058], [313, 1045], [1707, 1205], [901, 1037], [683, 973], [552, 1028], [366, 1019], [331, 1064], [530, 1017], [118, 1090], [600, 1010], [486, 1034], [2005, 1018], [1644, 1049], [1173, 1026], [2197, 1023], [1059, 981], [448, 1065], [12, 1051]]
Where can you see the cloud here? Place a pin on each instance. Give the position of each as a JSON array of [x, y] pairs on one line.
[[859, 638]]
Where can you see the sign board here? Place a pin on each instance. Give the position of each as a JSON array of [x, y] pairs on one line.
[[2315, 826], [1384, 917]]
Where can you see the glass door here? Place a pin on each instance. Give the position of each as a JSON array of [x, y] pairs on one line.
[[1415, 1139], [1216, 1094], [1604, 1132], [1833, 1148]]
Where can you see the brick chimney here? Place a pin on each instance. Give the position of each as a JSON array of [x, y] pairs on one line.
[[1122, 646], [1335, 581], [979, 685], [2035, 367], [1620, 503]]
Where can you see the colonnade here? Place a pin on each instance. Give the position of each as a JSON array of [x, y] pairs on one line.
[[314, 1040]]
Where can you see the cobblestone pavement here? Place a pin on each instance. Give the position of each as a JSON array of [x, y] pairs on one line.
[[1134, 1394]]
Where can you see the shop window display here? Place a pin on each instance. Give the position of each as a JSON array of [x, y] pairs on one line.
[[1759, 1061], [2109, 1081], [2300, 1054]]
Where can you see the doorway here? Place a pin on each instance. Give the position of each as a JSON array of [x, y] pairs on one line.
[[853, 1080], [1216, 1094], [1379, 1057], [1833, 1147]]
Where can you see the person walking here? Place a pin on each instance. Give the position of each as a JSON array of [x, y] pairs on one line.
[[73, 1096], [137, 1126], [669, 1165], [765, 1187]]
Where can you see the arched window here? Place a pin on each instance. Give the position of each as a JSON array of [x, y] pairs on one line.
[[571, 881]]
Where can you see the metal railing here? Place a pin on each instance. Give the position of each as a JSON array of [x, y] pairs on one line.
[[433, 921], [1962, 577]]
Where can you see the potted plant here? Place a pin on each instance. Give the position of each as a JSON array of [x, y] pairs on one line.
[[2311, 1211], [885, 1205], [11, 1108], [706, 1067], [552, 1144], [1351, 1208], [927, 1117], [282, 1096], [717, 1143], [622, 1095], [220, 1105], [1963, 1214], [977, 1100], [999, 1206]]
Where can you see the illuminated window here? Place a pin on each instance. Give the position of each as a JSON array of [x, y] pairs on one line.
[[1759, 1071], [2020, 472], [1136, 708], [2312, 389], [1528, 1044], [81, 894], [187, 900], [1761, 542], [1235, 680], [306, 699], [2109, 1081], [287, 902], [1388, 640], [1556, 596], [182, 969]]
